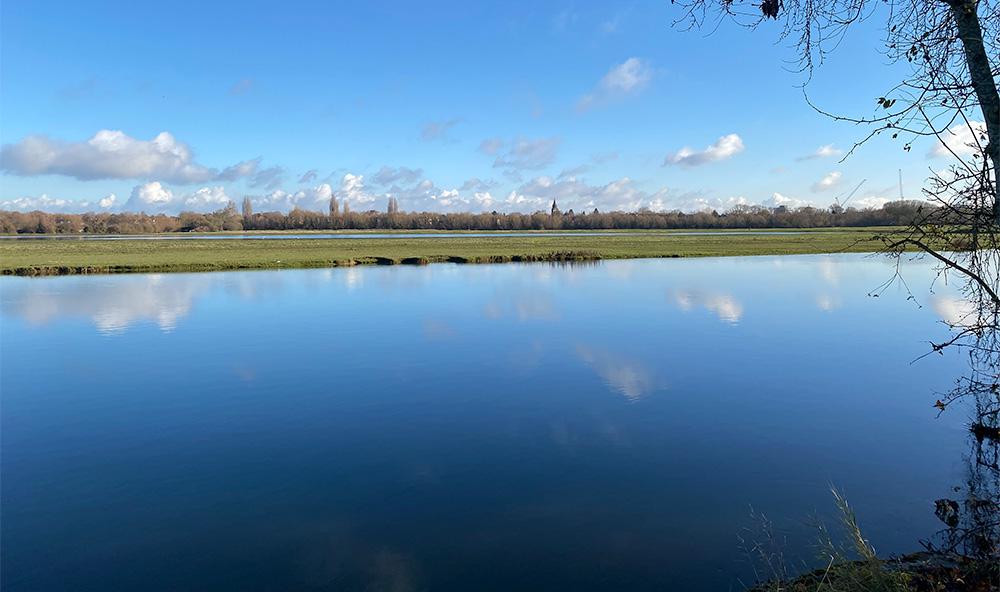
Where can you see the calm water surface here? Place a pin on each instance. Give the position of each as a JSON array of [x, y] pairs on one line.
[[507, 427]]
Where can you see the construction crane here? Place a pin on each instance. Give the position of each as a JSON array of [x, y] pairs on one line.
[[841, 205]]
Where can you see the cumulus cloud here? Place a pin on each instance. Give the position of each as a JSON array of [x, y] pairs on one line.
[[724, 148], [627, 78], [154, 197], [438, 130], [962, 140], [45, 203], [352, 188], [527, 154], [824, 151], [570, 193], [829, 181], [314, 199], [778, 200], [869, 201], [112, 154], [109, 154]]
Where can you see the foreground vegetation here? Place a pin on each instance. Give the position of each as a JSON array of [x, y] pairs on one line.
[[46, 257], [852, 564]]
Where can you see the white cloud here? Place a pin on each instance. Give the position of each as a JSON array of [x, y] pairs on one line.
[[109, 154], [484, 199], [44, 203], [627, 78], [154, 197], [829, 181], [824, 151], [869, 201], [962, 139], [206, 199], [316, 199], [571, 193], [724, 148], [622, 194], [778, 200], [352, 188], [525, 154]]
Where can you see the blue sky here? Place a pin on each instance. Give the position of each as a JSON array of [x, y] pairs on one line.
[[445, 105]]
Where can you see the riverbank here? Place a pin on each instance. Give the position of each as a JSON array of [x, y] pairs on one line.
[[128, 255], [918, 572]]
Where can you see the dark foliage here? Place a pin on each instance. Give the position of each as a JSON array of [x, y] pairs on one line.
[[897, 213]]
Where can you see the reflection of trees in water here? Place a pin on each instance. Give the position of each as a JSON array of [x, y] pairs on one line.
[[973, 521]]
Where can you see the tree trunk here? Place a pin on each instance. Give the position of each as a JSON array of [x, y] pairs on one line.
[[967, 20]]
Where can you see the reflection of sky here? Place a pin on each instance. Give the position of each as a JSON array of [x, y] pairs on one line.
[[629, 378], [112, 304], [414, 411], [724, 288], [724, 306], [559, 306]]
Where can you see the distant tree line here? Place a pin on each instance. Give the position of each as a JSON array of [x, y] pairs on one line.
[[340, 217]]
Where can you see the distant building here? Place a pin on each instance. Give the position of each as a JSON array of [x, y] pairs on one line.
[[555, 209]]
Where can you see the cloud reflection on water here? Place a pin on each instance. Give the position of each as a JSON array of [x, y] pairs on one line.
[[725, 306], [629, 378], [113, 305]]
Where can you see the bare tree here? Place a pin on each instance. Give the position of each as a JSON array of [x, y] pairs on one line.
[[950, 95], [334, 207], [247, 209]]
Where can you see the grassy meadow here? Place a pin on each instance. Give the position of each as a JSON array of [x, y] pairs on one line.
[[67, 256]]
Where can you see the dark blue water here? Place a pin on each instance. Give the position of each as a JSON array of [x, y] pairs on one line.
[[507, 427]]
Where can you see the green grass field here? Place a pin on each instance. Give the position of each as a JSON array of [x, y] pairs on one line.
[[39, 257]]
